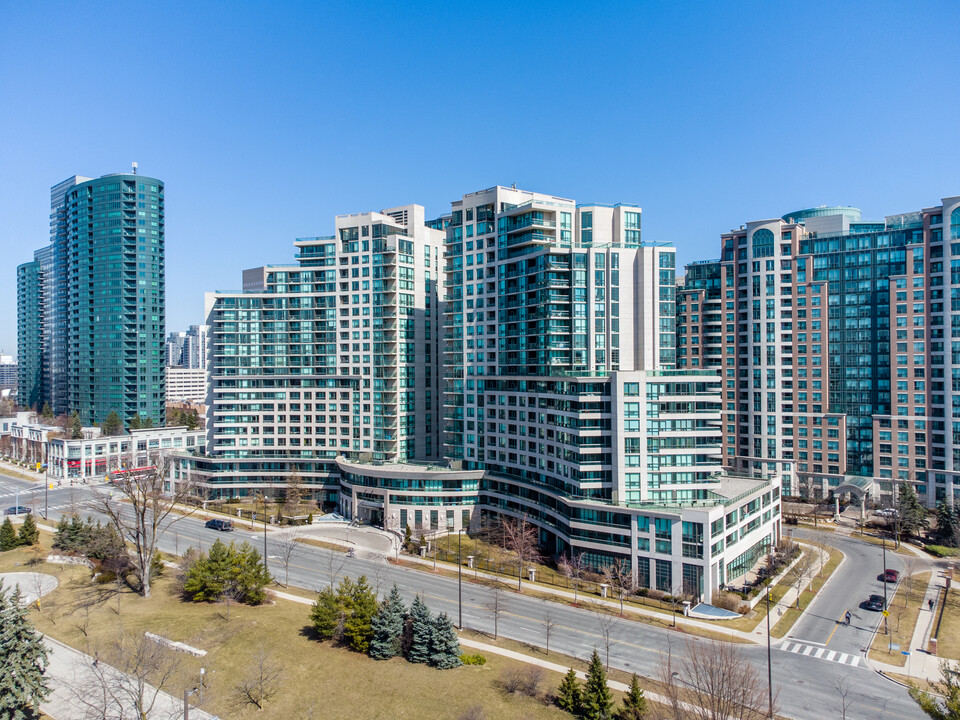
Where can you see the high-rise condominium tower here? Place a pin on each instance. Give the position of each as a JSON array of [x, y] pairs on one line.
[[838, 340], [92, 303]]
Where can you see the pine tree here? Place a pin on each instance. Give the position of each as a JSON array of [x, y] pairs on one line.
[[24, 660], [112, 425], [8, 536], [29, 534], [46, 411], [421, 632], [444, 644], [569, 693], [387, 627], [948, 525], [357, 629], [76, 427], [326, 615], [249, 577], [634, 702], [913, 516], [597, 700]]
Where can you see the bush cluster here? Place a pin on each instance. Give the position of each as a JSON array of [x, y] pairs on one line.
[[232, 572], [349, 615], [10, 538]]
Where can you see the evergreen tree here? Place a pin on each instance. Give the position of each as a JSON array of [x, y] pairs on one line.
[[569, 693], [421, 632], [387, 627], [29, 534], [250, 577], [597, 700], [23, 658], [943, 703], [913, 516], [357, 629], [46, 412], [112, 425], [444, 644], [327, 615], [146, 422], [948, 525], [76, 427], [135, 422], [634, 702], [8, 536]]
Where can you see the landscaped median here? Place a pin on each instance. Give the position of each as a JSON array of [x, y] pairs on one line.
[[903, 611]]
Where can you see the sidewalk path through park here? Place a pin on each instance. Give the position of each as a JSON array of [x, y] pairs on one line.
[[67, 674]]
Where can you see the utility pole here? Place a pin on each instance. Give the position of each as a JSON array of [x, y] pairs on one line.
[[769, 658], [884, 575]]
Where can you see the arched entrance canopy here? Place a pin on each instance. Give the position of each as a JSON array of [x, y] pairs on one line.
[[857, 485]]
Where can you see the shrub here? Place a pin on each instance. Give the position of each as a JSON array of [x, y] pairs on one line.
[[942, 551], [476, 659], [726, 600], [229, 570]]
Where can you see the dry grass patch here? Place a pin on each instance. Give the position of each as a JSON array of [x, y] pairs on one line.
[[316, 680], [948, 640], [904, 608]]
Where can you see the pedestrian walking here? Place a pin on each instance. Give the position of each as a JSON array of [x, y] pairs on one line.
[[930, 604], [847, 617]]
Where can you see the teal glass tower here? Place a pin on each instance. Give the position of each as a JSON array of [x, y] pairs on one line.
[[95, 317]]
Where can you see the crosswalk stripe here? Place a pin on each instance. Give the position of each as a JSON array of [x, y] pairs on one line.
[[831, 655], [843, 658], [808, 650], [856, 661], [819, 652]]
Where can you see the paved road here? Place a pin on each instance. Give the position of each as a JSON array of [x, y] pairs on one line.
[[806, 683], [855, 580]]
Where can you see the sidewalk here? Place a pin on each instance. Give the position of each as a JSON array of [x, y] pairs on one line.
[[68, 674], [920, 663], [756, 636]]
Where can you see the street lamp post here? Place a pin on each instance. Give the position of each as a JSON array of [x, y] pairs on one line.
[[883, 574], [460, 578]]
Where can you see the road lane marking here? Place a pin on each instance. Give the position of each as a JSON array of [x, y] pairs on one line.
[[831, 655], [819, 653], [843, 658], [855, 661]]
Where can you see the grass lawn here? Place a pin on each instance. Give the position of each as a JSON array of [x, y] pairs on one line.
[[874, 540], [901, 621], [948, 641], [791, 616], [318, 680]]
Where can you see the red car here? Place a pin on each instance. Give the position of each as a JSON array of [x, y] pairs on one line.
[[890, 576]]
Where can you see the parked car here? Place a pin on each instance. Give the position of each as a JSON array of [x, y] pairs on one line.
[[17, 510], [875, 603], [222, 525], [890, 576]]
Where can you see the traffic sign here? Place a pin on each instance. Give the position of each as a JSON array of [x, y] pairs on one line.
[[885, 613]]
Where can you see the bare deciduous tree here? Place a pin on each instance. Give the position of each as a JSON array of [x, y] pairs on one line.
[[495, 606], [294, 491], [718, 681], [607, 623], [548, 625], [261, 682], [620, 578], [126, 679], [520, 538], [287, 545], [804, 568], [573, 569], [844, 690], [334, 565], [144, 512]]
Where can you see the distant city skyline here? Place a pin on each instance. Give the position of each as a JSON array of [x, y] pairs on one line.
[[703, 116]]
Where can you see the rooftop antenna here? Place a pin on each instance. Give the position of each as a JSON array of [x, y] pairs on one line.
[[134, 168], [514, 186]]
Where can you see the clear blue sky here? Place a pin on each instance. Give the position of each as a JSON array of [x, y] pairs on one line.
[[267, 119]]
